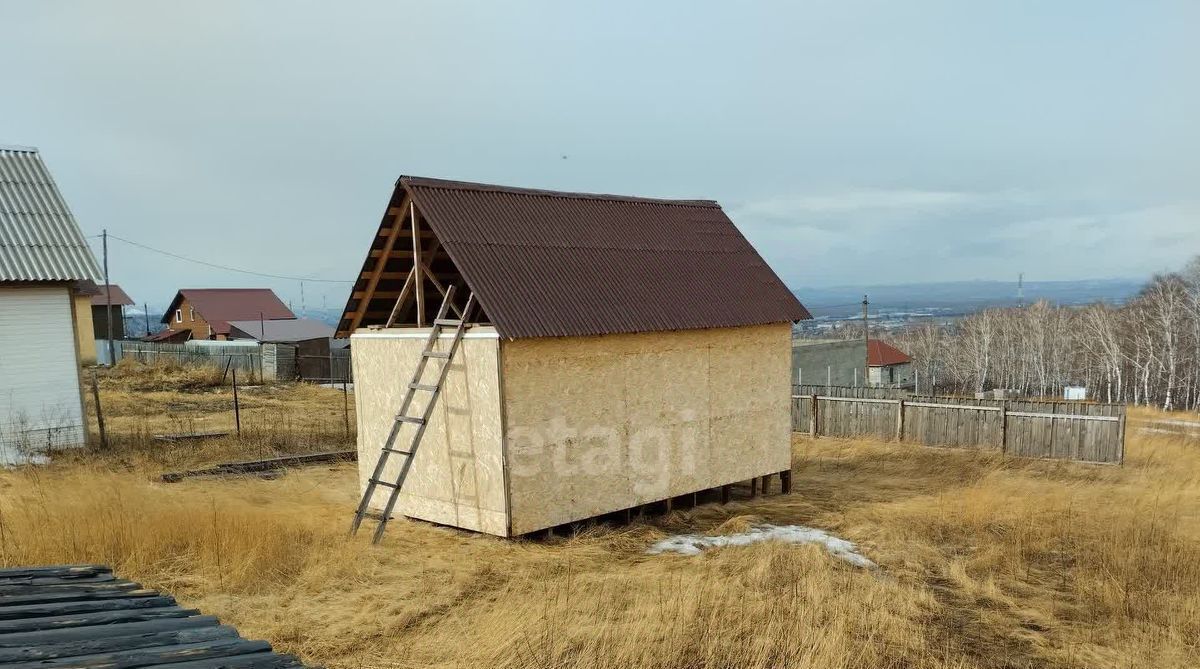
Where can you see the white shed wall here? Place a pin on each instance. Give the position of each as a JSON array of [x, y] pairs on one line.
[[40, 401]]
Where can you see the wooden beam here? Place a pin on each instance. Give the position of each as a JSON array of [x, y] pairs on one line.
[[373, 279], [437, 243], [402, 297], [396, 276], [416, 245]]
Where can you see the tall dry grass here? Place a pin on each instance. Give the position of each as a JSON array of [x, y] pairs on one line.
[[164, 374], [984, 562], [142, 401]]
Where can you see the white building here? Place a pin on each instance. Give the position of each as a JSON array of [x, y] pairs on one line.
[[43, 257]]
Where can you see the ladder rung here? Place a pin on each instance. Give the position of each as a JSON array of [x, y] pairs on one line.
[[423, 386], [384, 483], [375, 515], [452, 322], [436, 354], [410, 419], [398, 451]]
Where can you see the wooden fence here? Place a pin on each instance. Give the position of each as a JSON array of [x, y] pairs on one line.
[[1025, 428]]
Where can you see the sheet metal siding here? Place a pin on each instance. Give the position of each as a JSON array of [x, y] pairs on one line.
[[39, 238], [545, 264], [40, 402]]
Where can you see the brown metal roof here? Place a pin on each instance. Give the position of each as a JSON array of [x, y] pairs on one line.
[[218, 306], [881, 354], [119, 297], [545, 263]]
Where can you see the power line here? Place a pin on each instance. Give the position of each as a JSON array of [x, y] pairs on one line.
[[225, 267]]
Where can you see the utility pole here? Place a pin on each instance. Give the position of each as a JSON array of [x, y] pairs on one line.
[[146, 313], [112, 356], [1020, 290], [866, 345]]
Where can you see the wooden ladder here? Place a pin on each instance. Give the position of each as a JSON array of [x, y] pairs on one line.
[[421, 421]]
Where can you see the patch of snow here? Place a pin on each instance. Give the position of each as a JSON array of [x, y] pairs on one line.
[[694, 544]]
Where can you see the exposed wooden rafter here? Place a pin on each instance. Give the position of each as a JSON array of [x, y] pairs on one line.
[[380, 261], [419, 281]]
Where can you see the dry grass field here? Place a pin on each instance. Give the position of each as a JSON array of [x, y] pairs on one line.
[[984, 562]]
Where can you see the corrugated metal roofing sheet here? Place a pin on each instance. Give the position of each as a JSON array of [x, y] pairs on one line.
[[881, 353], [39, 238], [545, 263], [290, 330], [119, 296]]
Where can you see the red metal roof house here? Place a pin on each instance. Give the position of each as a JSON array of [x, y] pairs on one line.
[[205, 312], [888, 365]]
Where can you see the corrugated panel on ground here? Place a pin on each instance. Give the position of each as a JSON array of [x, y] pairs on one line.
[[39, 239], [567, 264]]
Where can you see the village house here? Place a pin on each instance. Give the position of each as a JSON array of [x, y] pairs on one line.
[[44, 259], [99, 308], [888, 366], [624, 351], [205, 313], [841, 362]]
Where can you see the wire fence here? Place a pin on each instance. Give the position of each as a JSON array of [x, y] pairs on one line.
[[252, 360]]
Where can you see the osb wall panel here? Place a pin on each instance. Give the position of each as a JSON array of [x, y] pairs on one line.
[[599, 424], [457, 477]]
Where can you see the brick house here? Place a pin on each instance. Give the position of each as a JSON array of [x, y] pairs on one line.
[[204, 313]]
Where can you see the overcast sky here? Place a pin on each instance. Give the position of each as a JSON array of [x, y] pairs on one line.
[[853, 142]]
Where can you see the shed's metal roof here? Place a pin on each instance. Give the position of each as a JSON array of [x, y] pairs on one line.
[[39, 238], [546, 263]]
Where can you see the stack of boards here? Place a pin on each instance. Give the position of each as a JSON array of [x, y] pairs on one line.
[[81, 616]]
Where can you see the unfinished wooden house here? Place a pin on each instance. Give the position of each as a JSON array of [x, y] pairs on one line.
[[617, 351]]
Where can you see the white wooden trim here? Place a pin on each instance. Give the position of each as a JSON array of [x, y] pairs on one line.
[[422, 335]]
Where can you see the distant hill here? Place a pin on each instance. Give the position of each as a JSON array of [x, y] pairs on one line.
[[957, 297]]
